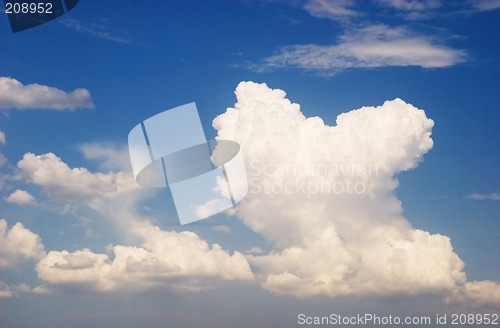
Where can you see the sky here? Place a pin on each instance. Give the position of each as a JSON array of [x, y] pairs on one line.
[[400, 94]]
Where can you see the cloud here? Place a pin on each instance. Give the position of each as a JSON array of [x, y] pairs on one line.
[[95, 30], [21, 197], [3, 141], [156, 259], [367, 47], [78, 185], [484, 5], [221, 228], [492, 196], [335, 10], [255, 250], [477, 294], [5, 291], [413, 9], [212, 206], [179, 262], [15, 95], [324, 198], [110, 156], [18, 244], [412, 5]]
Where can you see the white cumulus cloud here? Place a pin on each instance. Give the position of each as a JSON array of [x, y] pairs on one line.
[[478, 294], [15, 95], [157, 259], [18, 244], [75, 184], [175, 261], [21, 197], [323, 198]]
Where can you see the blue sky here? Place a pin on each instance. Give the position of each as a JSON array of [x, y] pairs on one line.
[[136, 59]]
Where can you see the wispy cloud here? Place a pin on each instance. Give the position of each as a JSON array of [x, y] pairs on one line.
[[335, 10], [255, 250], [15, 95], [411, 5], [492, 196], [110, 156], [366, 47], [484, 5], [3, 159], [365, 44], [94, 30], [221, 228], [413, 10]]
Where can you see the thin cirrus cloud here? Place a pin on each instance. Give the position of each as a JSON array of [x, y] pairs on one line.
[[363, 44], [3, 141], [413, 10], [484, 5], [410, 5], [16, 95], [95, 30], [368, 47], [492, 196], [345, 11], [109, 156], [335, 10], [221, 228]]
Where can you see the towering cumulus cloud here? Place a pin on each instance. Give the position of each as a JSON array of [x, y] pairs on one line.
[[323, 197]]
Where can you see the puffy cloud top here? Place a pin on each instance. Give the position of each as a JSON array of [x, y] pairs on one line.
[[329, 239], [166, 259], [18, 244]]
